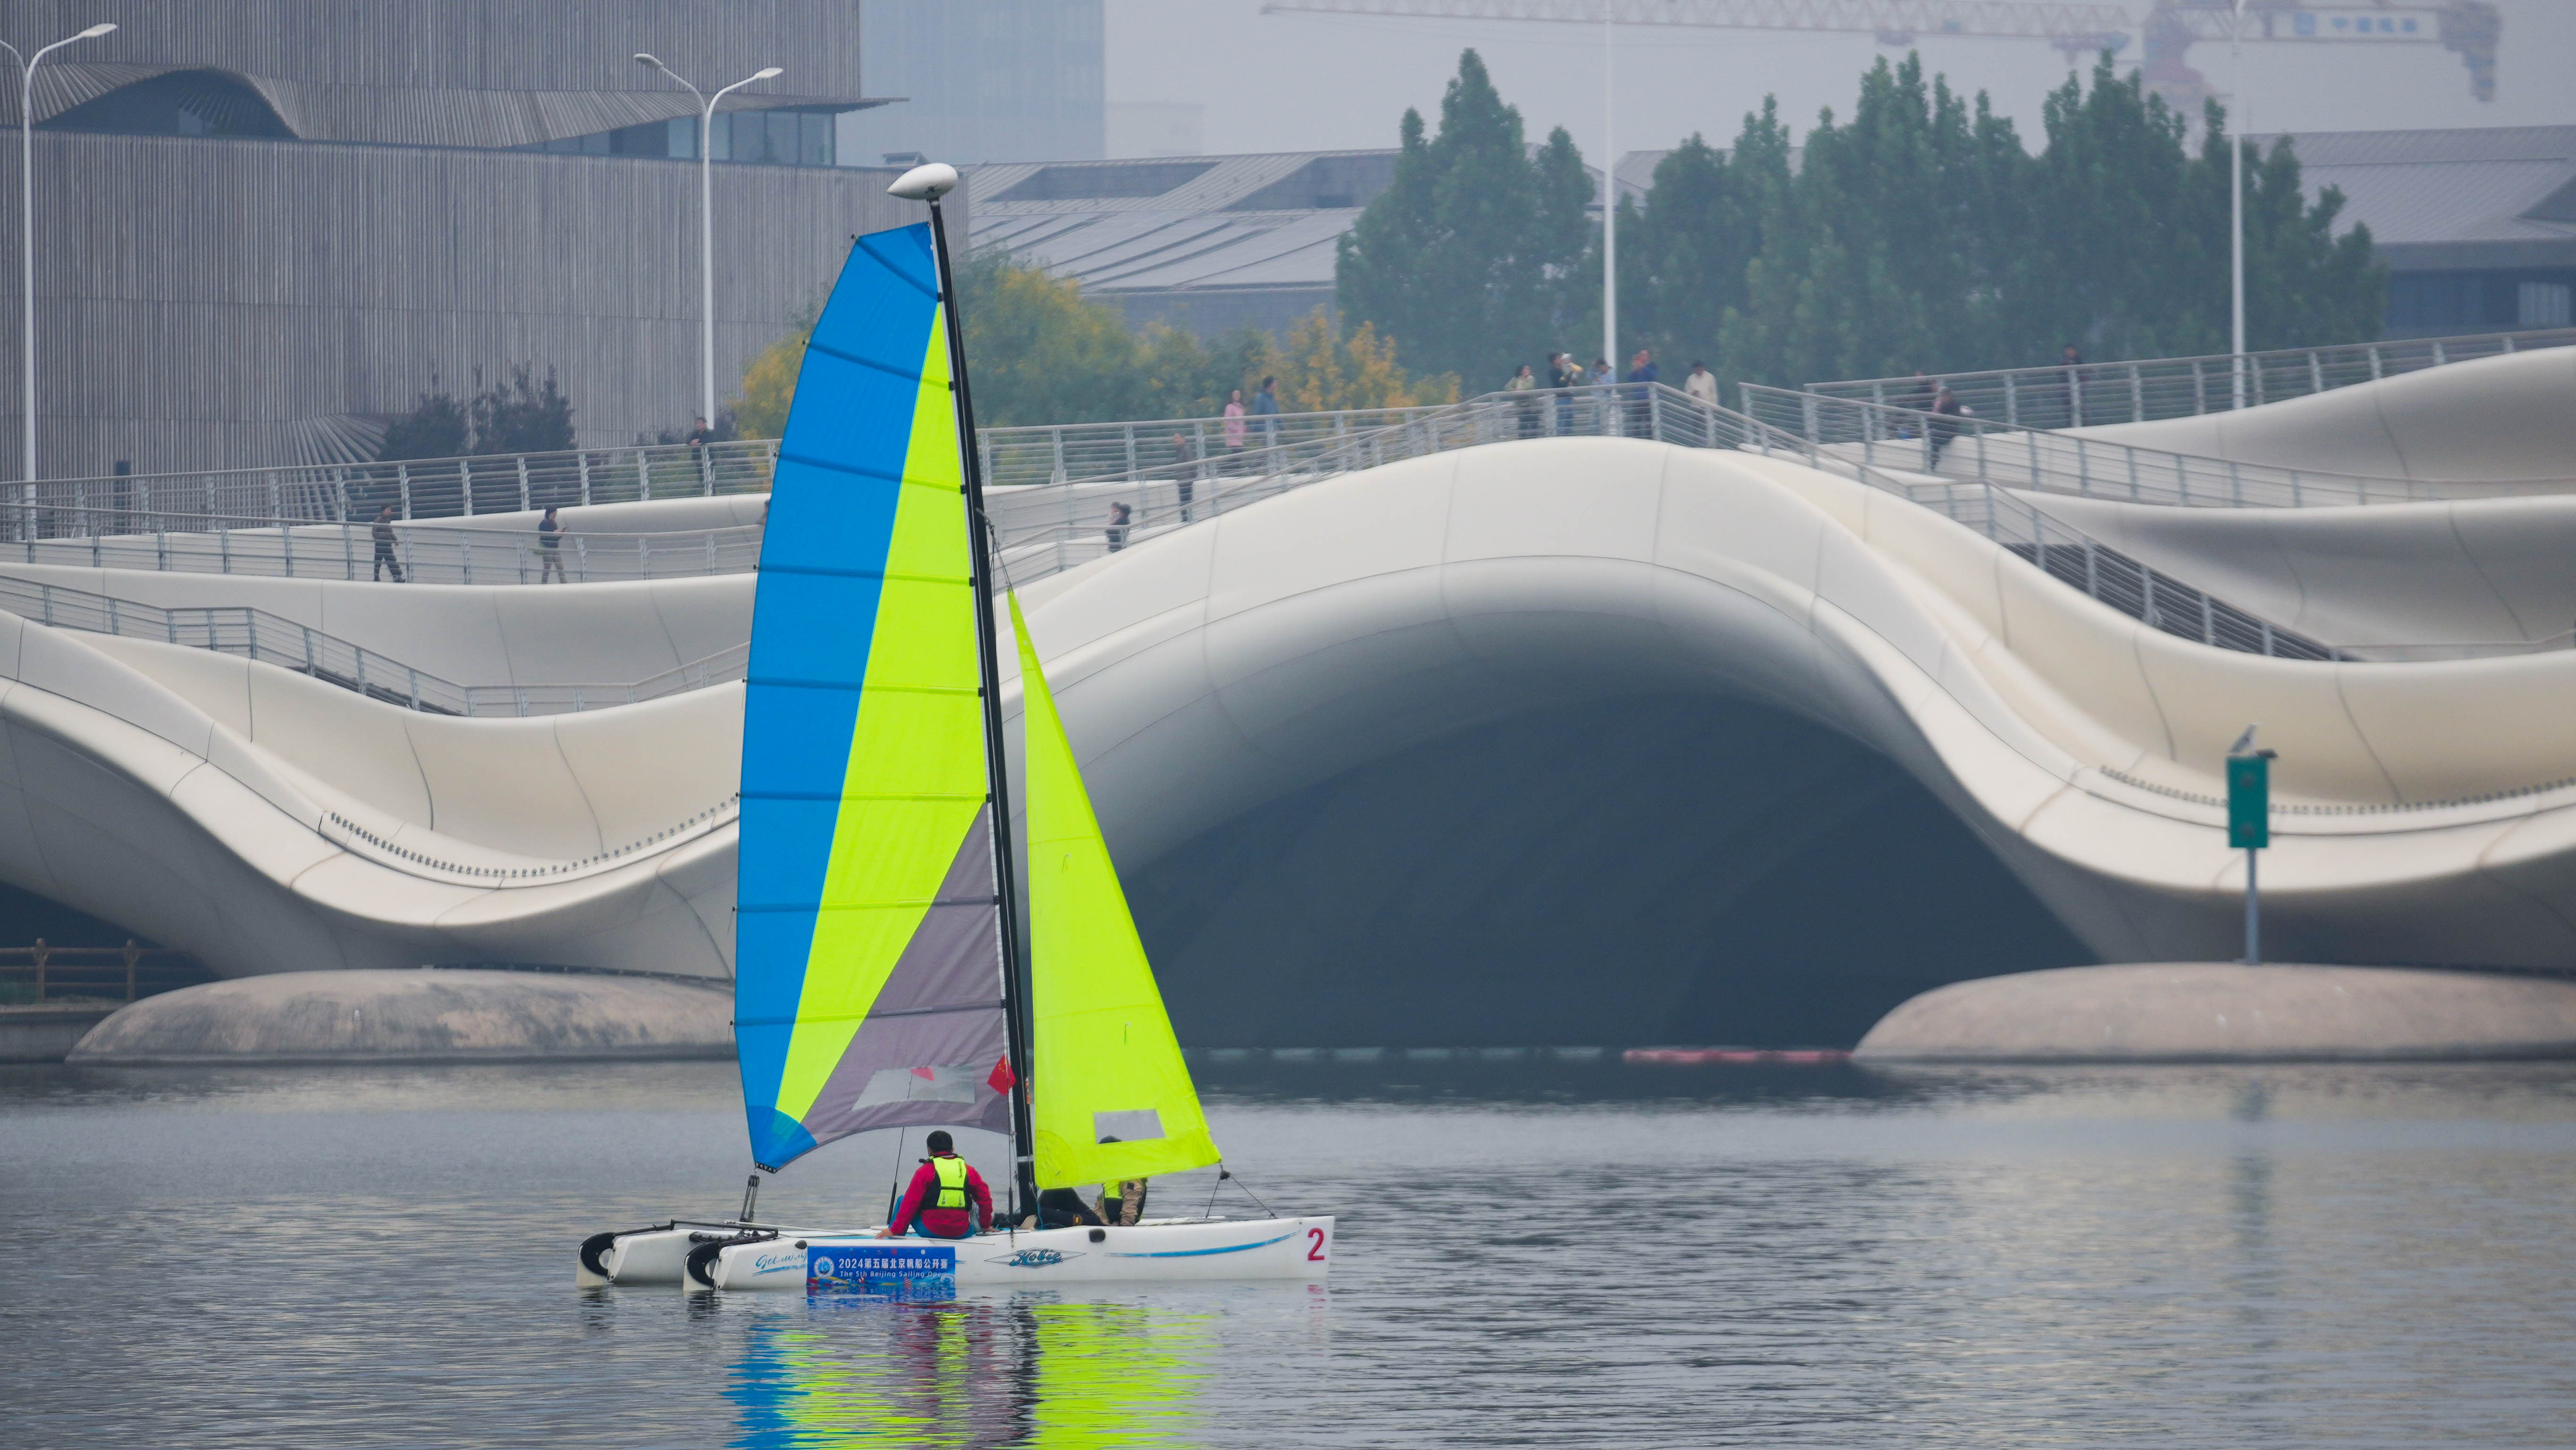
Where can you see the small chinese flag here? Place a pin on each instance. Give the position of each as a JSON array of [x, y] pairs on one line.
[[1001, 1079]]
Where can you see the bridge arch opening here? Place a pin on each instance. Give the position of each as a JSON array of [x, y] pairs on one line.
[[1651, 868]]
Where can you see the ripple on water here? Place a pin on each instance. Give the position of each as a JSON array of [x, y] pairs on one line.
[[1531, 1254]]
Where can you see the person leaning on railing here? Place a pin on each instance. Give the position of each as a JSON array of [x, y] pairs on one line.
[[1234, 431], [1945, 406], [1524, 381], [1566, 376], [1265, 406]]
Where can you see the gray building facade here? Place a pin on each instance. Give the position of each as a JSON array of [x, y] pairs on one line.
[[265, 226], [994, 80], [2477, 226]]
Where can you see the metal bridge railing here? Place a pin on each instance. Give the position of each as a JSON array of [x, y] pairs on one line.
[[407, 553], [1046, 528], [1969, 447], [1054, 453], [2044, 397], [416, 489], [2092, 394], [1157, 504], [274, 639]]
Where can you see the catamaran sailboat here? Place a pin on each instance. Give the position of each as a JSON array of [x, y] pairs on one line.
[[878, 973]]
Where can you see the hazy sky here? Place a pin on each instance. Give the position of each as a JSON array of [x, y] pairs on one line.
[[1299, 82]]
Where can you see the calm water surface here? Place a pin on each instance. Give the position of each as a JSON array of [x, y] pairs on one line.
[[1530, 1255]]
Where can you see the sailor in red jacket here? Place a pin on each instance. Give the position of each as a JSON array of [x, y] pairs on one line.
[[942, 1189]]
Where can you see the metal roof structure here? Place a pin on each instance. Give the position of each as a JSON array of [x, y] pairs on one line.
[[2474, 199], [1202, 243], [464, 73]]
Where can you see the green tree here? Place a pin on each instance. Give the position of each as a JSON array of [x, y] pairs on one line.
[[1465, 257], [759, 409], [1892, 246], [1920, 234], [1043, 353], [521, 415], [2120, 236], [433, 427], [2304, 286], [518, 414]]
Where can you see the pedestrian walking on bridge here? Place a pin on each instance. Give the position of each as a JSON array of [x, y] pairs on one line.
[[385, 556]]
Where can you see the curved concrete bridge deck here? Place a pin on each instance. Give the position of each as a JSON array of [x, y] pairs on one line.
[[1584, 739]]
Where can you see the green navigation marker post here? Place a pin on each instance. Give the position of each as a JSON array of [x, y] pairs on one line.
[[2249, 826]]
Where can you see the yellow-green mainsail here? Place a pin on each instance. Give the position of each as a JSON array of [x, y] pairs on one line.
[[1106, 1063]]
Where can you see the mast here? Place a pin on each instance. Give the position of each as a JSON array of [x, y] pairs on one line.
[[1015, 985]]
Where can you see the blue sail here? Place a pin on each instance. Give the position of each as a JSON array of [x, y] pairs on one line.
[[867, 985]]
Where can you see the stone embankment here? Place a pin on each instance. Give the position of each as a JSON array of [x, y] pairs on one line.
[[2229, 1012], [429, 1015]]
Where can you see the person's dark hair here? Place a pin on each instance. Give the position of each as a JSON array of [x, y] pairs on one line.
[[1266, 382], [940, 1142], [1695, 362]]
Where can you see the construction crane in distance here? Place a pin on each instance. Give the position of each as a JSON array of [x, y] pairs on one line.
[[2167, 31]]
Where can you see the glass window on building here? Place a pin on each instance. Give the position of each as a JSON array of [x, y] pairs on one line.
[[2542, 304], [767, 138]]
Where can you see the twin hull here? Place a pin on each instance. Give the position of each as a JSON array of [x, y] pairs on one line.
[[1283, 1248], [861, 1263]]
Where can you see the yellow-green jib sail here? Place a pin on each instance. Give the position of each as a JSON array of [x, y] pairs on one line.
[[1105, 1061]]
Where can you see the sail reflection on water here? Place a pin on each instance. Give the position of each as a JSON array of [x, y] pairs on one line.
[[1031, 1372]]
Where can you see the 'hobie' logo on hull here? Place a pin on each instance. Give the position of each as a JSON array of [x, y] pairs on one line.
[[1033, 1259]]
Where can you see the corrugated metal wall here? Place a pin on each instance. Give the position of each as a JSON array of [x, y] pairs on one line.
[[203, 302], [430, 46]]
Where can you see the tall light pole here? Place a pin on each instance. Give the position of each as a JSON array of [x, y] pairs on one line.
[[707, 223], [1610, 200], [2236, 201], [27, 228]]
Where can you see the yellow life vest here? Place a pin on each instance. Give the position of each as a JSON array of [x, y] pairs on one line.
[[952, 1182]]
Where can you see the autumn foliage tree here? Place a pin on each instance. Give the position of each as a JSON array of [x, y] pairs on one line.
[[1043, 353]]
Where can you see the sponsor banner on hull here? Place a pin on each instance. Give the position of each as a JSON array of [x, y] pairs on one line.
[[901, 1271]]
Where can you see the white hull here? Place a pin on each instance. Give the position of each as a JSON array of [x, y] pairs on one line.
[[659, 1254], [911, 1267]]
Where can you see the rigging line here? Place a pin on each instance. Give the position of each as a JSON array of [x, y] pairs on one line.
[[1225, 1174], [891, 1201]]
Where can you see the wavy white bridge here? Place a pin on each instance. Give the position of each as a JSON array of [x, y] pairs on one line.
[[1566, 739]]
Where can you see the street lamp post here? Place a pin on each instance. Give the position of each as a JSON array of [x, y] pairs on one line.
[[1609, 197], [27, 227], [2236, 202], [707, 223]]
